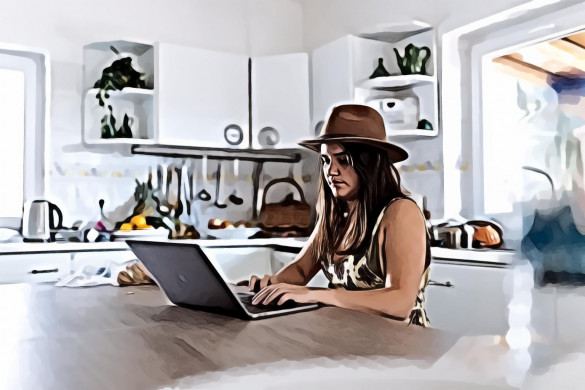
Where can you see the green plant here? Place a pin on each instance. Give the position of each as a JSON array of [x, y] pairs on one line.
[[117, 76]]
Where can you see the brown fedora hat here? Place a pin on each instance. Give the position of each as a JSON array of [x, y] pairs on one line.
[[356, 123]]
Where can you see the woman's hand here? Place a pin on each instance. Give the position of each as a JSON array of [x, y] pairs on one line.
[[282, 292], [256, 283]]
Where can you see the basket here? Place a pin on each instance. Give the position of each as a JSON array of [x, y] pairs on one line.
[[288, 214]]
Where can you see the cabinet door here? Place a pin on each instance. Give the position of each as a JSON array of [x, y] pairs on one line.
[[34, 268], [241, 263], [202, 97], [280, 100], [332, 79], [475, 303]]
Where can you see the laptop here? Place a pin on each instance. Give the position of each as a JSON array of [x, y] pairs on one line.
[[191, 279]]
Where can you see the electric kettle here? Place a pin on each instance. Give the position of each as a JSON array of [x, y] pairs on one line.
[[39, 219]]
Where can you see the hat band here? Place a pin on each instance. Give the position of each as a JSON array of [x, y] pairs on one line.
[[330, 136]]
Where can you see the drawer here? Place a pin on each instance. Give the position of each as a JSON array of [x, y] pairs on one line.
[[34, 268]]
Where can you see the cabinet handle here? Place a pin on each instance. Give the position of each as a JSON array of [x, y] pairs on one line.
[[268, 136], [233, 134], [446, 284], [44, 271]]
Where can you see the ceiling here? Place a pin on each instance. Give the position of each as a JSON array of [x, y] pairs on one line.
[[564, 57]]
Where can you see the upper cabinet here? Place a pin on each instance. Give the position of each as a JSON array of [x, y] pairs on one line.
[[163, 93], [391, 69], [203, 98], [167, 94], [280, 100]]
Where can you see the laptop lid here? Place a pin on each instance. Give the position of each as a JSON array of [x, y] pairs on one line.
[[187, 276]]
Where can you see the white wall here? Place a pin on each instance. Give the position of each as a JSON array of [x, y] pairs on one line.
[[326, 20]]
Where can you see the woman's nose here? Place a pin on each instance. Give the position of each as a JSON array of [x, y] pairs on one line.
[[333, 169]]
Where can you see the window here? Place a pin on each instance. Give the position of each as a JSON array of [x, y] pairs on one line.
[[23, 107]]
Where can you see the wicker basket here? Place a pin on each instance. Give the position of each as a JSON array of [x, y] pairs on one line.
[[289, 214]]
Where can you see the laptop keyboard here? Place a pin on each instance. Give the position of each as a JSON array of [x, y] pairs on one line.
[[272, 306]]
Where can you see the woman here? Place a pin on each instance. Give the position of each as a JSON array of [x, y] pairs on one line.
[[370, 239]]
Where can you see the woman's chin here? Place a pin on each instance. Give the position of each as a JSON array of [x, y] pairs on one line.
[[343, 195]]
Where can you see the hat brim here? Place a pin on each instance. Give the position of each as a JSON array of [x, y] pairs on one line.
[[395, 152]]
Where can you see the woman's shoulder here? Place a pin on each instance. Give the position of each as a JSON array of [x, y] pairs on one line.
[[401, 210]]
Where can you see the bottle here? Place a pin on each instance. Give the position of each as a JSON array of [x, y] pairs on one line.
[[380, 71]]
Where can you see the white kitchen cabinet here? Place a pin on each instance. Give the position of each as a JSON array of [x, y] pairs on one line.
[[341, 71], [470, 300], [34, 268], [240, 264], [202, 97], [332, 79], [192, 97], [280, 101]]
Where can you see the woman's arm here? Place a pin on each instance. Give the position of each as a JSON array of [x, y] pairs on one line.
[[299, 272], [402, 243]]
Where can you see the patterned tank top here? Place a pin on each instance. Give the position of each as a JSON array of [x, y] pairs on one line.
[[364, 272]]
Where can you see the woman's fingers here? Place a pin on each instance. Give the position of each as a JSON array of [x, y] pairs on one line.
[[243, 283], [253, 280], [271, 295], [265, 281], [283, 298], [263, 293]]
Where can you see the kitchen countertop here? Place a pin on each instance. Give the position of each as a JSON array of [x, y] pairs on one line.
[[485, 257], [107, 337]]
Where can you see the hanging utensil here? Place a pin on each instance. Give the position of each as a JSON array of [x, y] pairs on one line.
[[217, 185], [194, 217], [203, 194], [178, 205], [190, 181], [234, 198], [184, 190], [160, 195], [187, 188]]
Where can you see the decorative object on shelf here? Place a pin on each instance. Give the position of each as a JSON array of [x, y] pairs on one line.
[[424, 124], [125, 131], [117, 76], [413, 61], [108, 127], [400, 110], [380, 71]]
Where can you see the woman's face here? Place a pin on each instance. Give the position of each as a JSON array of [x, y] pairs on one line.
[[338, 172]]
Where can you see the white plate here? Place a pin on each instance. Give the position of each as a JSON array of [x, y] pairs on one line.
[[231, 234], [121, 235]]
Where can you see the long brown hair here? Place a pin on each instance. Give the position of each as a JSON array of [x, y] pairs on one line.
[[379, 183]]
